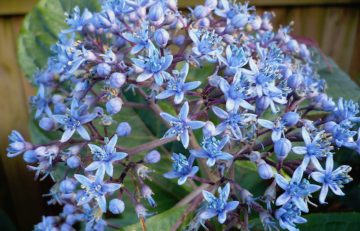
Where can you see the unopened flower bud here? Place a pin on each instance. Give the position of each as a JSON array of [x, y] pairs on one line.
[[67, 186], [124, 129], [265, 171], [114, 105], [293, 45], [295, 80], [330, 126], [201, 11], [254, 156], [30, 157], [204, 23], [239, 20], [116, 206], [211, 4], [73, 162], [103, 69], [290, 118], [156, 13], [262, 104], [209, 129], [47, 124], [282, 147], [256, 23], [117, 80], [141, 211], [161, 37], [152, 157]]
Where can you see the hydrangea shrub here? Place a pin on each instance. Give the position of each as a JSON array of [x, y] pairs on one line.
[[256, 98]]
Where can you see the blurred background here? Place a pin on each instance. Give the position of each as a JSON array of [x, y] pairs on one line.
[[332, 25]]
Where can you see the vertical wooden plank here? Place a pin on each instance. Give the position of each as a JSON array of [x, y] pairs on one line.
[[25, 195]]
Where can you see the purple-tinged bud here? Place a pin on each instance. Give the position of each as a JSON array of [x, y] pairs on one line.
[[330, 126], [204, 23], [73, 162], [293, 45], [59, 108], [66, 227], [209, 129], [30, 157], [124, 129], [328, 105], [156, 13], [57, 99], [161, 37], [72, 219], [304, 51], [152, 157], [103, 69], [47, 124], [116, 206], [120, 42], [256, 23], [141, 211], [179, 40], [290, 118], [67, 186], [117, 80], [211, 4], [147, 194], [239, 20], [228, 38], [295, 80], [141, 12], [201, 11], [265, 171], [282, 147], [254, 156], [262, 104], [69, 209], [172, 4], [114, 105]]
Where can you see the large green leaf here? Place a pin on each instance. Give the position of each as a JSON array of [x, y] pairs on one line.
[[332, 222]]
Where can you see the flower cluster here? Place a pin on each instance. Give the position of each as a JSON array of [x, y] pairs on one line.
[[140, 56]]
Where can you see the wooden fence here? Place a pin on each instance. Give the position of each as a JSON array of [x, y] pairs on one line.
[[333, 24]]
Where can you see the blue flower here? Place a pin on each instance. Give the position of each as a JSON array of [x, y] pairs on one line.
[[234, 121], [296, 190], [182, 168], [105, 156], [277, 128], [288, 215], [330, 178], [41, 102], [211, 150], [207, 44], [180, 126], [314, 149], [236, 93], [218, 206], [177, 86], [235, 58], [74, 121], [342, 135], [77, 20], [140, 38], [154, 65], [96, 188], [345, 110], [17, 144]]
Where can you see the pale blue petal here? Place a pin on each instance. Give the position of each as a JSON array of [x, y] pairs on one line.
[[68, 133], [83, 133]]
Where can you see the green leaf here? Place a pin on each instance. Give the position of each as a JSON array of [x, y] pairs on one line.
[[331, 222], [162, 221]]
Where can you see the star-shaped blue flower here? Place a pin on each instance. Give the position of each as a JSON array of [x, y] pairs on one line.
[[182, 168], [105, 156], [177, 87], [96, 188], [74, 121], [218, 206], [212, 150], [315, 148], [330, 178], [154, 65], [296, 190], [181, 125]]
